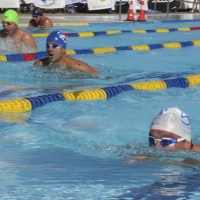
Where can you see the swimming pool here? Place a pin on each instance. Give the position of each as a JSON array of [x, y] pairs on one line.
[[76, 149]]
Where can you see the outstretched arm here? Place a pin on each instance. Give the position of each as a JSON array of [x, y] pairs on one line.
[[186, 162]]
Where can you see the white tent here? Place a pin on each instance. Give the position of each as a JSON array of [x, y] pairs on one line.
[[10, 4]]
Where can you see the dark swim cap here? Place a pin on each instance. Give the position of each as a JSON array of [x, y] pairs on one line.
[[58, 37], [37, 11]]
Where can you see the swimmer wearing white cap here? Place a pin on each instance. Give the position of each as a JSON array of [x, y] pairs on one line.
[[171, 129], [56, 45]]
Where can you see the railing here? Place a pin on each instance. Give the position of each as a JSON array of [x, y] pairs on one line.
[[193, 2]]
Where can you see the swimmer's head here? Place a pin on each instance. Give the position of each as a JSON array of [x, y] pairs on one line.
[[10, 16], [37, 12], [173, 120], [57, 37]]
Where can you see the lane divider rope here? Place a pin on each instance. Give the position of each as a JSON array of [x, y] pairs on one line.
[[102, 50], [111, 32], [31, 103]]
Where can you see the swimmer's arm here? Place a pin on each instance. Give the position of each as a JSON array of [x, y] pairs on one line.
[[42, 62], [38, 63], [186, 162], [79, 65], [31, 24]]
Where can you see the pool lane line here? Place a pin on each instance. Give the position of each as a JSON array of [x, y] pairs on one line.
[[102, 50], [112, 32], [31, 103]]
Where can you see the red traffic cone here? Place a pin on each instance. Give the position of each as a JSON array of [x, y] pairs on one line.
[[142, 12], [130, 16]]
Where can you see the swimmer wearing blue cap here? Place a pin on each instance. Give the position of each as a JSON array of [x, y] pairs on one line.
[[20, 37], [39, 20], [56, 45]]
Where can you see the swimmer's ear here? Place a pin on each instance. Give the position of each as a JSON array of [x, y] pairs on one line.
[[188, 145]]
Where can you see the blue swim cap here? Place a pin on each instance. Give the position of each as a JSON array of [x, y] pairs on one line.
[[37, 11], [58, 37]]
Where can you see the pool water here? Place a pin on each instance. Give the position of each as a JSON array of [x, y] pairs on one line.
[[78, 149]]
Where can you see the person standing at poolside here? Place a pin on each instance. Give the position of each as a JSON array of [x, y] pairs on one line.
[[21, 38], [39, 20], [56, 45]]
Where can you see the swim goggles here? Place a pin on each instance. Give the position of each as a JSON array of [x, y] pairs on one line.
[[35, 16], [7, 23], [54, 46], [164, 141]]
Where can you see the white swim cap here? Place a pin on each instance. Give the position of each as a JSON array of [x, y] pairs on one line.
[[173, 120]]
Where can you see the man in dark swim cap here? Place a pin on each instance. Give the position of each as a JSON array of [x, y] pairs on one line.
[[20, 36], [56, 45], [39, 20]]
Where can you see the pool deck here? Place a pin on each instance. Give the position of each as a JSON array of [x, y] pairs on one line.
[[83, 18]]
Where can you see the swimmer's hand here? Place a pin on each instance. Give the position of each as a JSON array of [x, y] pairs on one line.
[[138, 159]]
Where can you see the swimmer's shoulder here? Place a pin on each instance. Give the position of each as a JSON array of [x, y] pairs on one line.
[[47, 23], [24, 33], [42, 62], [79, 65]]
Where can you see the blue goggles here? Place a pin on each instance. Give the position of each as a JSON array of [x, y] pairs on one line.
[[164, 141], [54, 46]]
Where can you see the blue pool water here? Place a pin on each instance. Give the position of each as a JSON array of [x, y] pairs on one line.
[[77, 149]]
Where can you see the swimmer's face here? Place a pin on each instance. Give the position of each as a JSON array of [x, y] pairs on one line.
[[55, 52], [159, 134], [36, 18], [9, 28]]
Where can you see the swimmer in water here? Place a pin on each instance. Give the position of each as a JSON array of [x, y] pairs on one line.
[[39, 20], [56, 45], [21, 38], [171, 130]]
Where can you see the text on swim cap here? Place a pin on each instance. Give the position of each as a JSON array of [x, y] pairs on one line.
[[185, 118], [62, 37]]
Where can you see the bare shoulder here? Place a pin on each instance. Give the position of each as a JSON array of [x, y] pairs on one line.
[[42, 62], [47, 23], [25, 33], [80, 65]]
